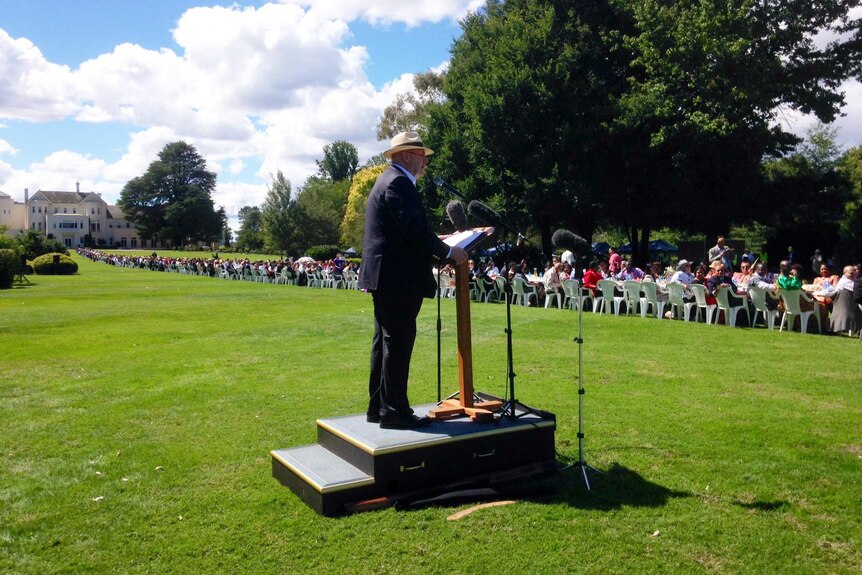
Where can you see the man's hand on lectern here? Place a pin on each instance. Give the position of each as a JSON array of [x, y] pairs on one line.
[[457, 255]]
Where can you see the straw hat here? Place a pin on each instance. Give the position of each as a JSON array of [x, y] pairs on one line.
[[406, 141]]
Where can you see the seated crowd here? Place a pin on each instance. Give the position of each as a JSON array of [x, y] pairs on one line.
[[293, 271], [824, 295], [817, 296]]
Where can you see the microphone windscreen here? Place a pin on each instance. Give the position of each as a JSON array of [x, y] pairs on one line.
[[568, 240], [457, 216], [483, 212], [438, 181]]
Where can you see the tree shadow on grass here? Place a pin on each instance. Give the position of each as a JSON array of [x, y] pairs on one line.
[[612, 489]]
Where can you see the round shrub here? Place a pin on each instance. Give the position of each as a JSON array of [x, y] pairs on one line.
[[8, 265], [44, 265], [322, 253]]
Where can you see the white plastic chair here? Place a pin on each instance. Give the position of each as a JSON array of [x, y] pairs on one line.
[[676, 299], [634, 302], [650, 291], [758, 300], [699, 292], [609, 302], [521, 291], [498, 292], [555, 295], [571, 294], [722, 297], [793, 308], [481, 290]]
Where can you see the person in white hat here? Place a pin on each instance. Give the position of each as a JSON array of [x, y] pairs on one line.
[[398, 254]]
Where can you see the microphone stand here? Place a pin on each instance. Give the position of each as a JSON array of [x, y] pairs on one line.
[[439, 348], [510, 407], [581, 462]]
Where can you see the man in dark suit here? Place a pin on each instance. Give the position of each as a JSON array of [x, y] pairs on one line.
[[399, 251]]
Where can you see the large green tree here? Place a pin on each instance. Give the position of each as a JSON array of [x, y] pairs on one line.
[[323, 203], [706, 87], [173, 198], [250, 237], [411, 111], [340, 160], [849, 248], [282, 220], [637, 113], [530, 90], [804, 197]]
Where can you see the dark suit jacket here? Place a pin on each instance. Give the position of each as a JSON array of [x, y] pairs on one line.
[[399, 247], [857, 291]]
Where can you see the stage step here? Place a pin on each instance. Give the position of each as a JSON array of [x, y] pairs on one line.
[[320, 477]]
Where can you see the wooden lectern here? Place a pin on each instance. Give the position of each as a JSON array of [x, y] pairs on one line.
[[466, 403]]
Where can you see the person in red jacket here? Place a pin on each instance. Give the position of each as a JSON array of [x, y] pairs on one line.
[[592, 276]]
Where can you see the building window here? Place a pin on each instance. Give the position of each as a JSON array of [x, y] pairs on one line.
[[55, 210], [74, 211], [92, 210], [64, 210]]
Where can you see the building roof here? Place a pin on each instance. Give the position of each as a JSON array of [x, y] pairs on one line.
[[61, 197], [68, 197], [116, 213], [4, 195]]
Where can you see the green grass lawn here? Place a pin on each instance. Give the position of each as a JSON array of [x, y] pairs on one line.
[[139, 409]]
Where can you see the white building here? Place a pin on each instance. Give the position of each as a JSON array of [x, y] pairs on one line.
[[70, 217]]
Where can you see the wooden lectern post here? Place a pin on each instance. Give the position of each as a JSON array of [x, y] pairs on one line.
[[466, 404]]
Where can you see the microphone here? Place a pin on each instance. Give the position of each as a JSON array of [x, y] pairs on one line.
[[455, 211], [441, 183], [570, 241], [484, 212]]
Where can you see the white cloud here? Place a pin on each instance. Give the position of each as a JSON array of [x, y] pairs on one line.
[[143, 149], [235, 195], [58, 171], [33, 88], [412, 13], [7, 148]]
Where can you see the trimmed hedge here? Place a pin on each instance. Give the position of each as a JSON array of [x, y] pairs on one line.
[[44, 265], [8, 265]]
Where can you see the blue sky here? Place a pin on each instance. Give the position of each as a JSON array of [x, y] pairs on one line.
[[96, 95], [92, 90]]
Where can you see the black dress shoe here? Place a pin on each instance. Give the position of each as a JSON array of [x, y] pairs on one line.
[[402, 421], [372, 417]]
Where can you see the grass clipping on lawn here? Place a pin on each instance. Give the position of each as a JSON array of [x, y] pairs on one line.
[[139, 409]]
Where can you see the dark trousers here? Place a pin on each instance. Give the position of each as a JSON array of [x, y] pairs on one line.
[[394, 335]]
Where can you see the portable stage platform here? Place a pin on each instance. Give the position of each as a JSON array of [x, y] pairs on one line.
[[357, 465]]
